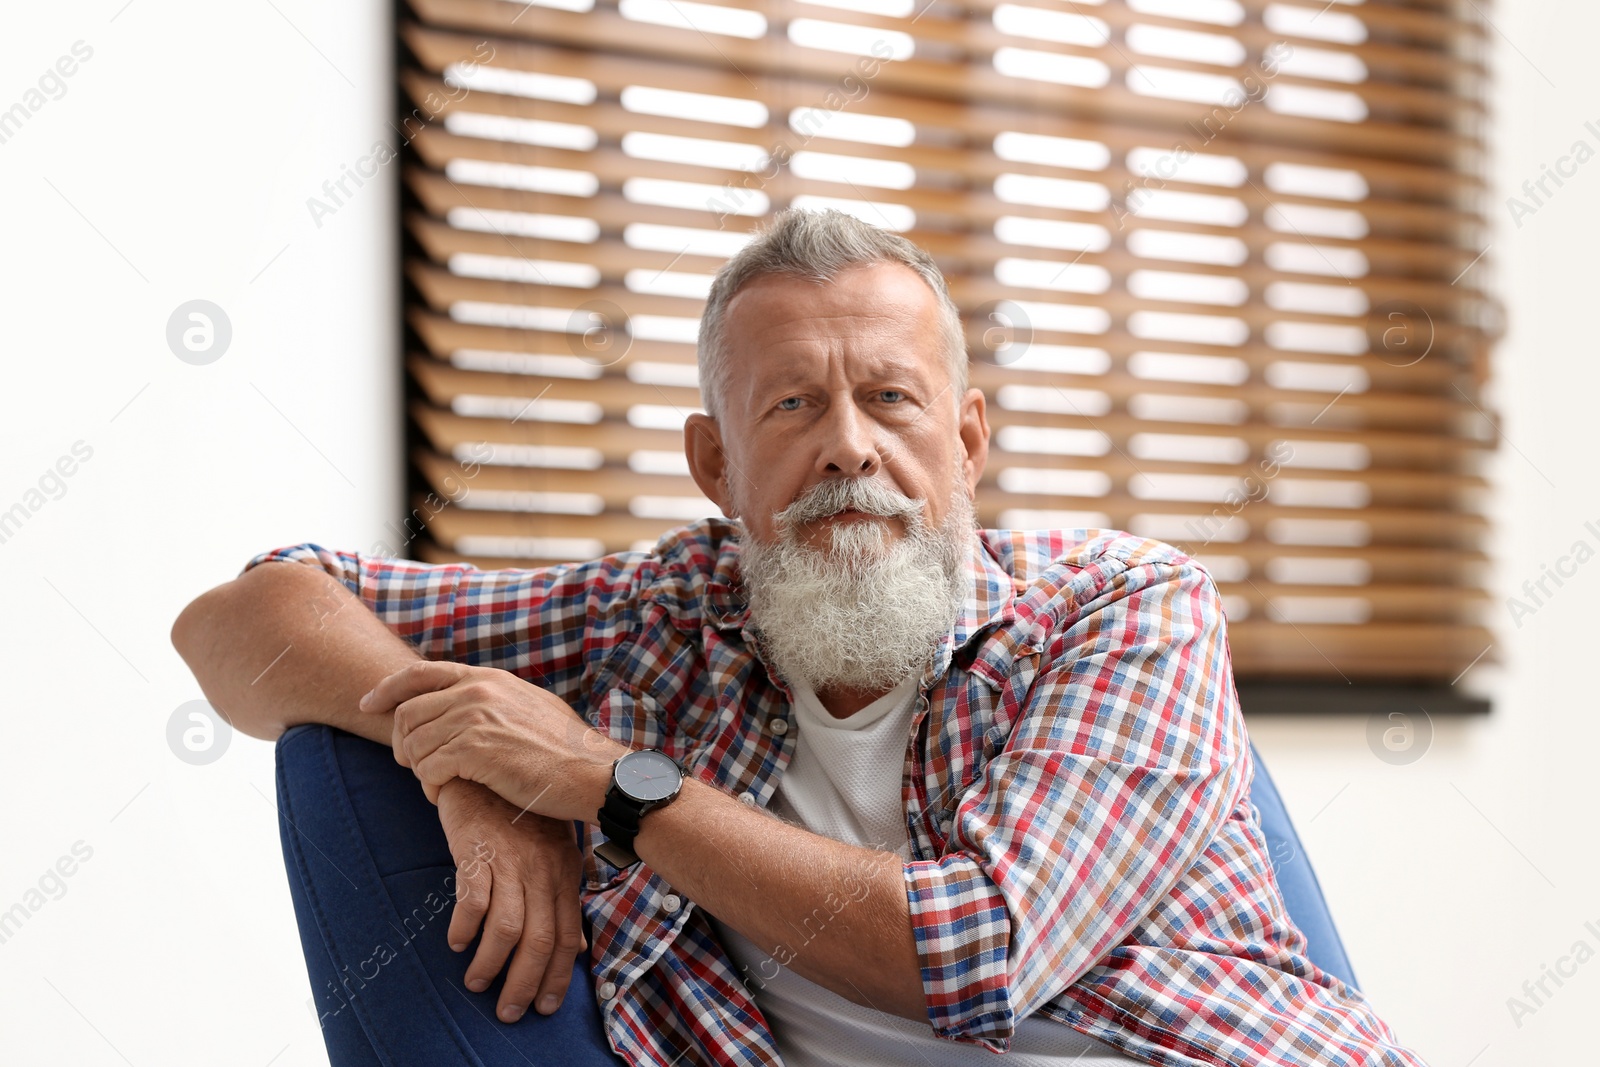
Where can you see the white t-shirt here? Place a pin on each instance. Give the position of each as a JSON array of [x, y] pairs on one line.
[[844, 782]]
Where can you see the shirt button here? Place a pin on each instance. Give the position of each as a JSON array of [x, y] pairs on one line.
[[747, 797], [672, 902], [607, 990], [945, 824], [778, 726]]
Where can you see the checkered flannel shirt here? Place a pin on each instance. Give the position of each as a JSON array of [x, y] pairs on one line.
[[1076, 793]]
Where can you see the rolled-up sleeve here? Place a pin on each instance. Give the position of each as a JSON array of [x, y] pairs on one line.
[[542, 624], [1123, 761]]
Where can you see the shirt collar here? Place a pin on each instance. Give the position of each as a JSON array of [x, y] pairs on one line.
[[989, 594]]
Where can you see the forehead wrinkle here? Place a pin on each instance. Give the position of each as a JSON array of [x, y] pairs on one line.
[[869, 320], [877, 367]]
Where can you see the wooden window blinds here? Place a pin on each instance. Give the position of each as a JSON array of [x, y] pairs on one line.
[[1220, 260]]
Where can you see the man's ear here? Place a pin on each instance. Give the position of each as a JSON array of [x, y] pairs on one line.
[[708, 461], [974, 433]]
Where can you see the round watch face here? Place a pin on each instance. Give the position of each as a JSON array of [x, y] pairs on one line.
[[648, 775]]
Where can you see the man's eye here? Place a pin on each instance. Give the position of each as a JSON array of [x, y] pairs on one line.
[[894, 392], [785, 400]]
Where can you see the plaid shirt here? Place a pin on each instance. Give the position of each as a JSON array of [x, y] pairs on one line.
[[1075, 786]]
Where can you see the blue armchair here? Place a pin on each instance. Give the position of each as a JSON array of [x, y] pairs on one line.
[[363, 845], [1302, 893]]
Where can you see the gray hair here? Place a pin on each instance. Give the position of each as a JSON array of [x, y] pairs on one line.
[[816, 246]]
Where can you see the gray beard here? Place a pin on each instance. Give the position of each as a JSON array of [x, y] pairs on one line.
[[868, 611]]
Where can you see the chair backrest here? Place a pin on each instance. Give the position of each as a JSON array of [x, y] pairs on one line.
[[1302, 893]]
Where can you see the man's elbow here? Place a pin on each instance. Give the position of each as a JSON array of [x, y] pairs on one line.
[[191, 622], [253, 596], [211, 631], [197, 620]]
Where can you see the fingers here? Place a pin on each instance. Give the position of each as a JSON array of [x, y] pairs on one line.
[[523, 891], [534, 950], [474, 883], [569, 942], [423, 676], [422, 727], [552, 937], [502, 929], [438, 766], [418, 714]]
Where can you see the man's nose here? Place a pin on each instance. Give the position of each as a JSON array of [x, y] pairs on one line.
[[850, 442]]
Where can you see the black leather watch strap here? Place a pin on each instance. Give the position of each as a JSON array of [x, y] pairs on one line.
[[620, 812], [619, 820]]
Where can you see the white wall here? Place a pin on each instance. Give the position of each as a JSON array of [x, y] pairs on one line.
[[190, 140], [187, 147]]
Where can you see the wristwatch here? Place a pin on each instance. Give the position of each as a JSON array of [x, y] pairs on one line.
[[641, 781]]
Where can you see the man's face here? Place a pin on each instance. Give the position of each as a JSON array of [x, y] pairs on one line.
[[837, 382], [842, 453]]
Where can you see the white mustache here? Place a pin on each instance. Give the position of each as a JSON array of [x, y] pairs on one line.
[[831, 497]]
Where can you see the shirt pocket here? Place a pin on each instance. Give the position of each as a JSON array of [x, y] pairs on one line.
[[626, 713]]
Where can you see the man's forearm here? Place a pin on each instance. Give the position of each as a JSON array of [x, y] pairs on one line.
[[287, 643], [833, 913]]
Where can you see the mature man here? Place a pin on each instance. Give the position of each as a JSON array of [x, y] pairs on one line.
[[949, 790]]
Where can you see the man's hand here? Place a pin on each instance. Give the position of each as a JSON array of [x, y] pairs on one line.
[[489, 726], [517, 876]]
